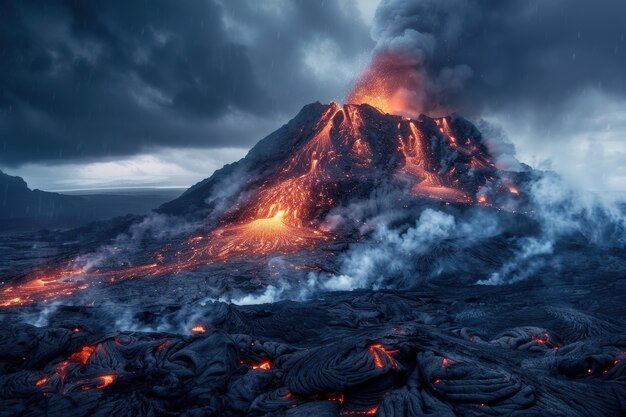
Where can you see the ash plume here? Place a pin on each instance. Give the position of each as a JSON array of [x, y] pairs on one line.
[[476, 55], [403, 67], [550, 73]]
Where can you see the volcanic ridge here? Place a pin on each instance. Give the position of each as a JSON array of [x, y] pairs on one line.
[[130, 318]]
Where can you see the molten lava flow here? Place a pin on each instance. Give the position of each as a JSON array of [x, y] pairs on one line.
[[42, 381], [69, 366], [261, 236], [429, 181], [258, 237], [367, 412], [264, 366], [395, 83], [83, 355], [544, 340], [105, 380], [276, 220], [52, 283], [382, 355], [273, 222], [198, 328], [391, 83], [308, 181]]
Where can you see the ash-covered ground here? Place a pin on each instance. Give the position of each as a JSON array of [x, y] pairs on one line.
[[354, 263]]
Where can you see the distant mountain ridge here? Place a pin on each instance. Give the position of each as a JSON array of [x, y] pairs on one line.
[[24, 209], [18, 201]]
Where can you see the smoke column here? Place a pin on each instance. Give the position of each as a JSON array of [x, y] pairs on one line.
[[403, 77]]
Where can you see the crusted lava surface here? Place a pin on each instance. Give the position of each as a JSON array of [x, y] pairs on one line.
[[518, 350], [153, 315]]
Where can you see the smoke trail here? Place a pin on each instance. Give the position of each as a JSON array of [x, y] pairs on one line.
[[403, 77]]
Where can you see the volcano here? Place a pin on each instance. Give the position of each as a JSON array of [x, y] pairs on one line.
[[331, 154], [280, 194], [226, 300]]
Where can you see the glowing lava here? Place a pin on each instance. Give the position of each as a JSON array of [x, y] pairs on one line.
[[257, 237], [42, 381], [382, 355], [392, 84], [265, 366], [544, 340], [52, 283], [83, 355], [105, 380], [344, 149], [261, 236], [309, 182], [198, 328], [426, 175]]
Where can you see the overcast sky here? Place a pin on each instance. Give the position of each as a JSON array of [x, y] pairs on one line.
[[161, 93]]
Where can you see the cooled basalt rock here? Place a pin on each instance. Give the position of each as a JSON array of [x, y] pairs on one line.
[[346, 354]]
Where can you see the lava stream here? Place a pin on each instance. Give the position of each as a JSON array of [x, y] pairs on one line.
[[258, 237]]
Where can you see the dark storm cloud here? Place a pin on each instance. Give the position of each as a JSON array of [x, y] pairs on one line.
[[86, 79], [328, 36], [520, 54]]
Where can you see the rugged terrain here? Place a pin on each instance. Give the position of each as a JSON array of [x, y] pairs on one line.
[[423, 279]]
